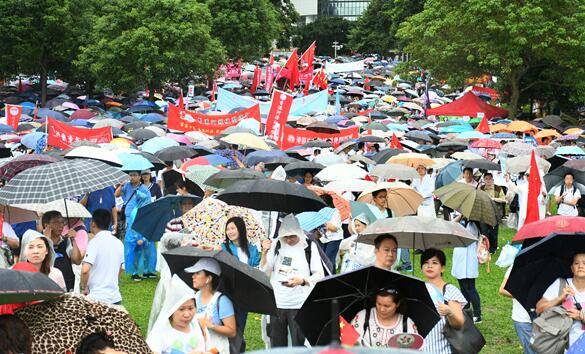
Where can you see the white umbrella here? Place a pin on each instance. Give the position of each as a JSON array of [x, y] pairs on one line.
[[197, 136], [441, 162], [341, 171], [158, 131], [73, 209], [349, 185], [466, 155], [327, 159], [109, 122], [520, 164], [394, 170], [94, 153]]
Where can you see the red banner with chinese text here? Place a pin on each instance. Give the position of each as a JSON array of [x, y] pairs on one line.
[[295, 137], [13, 114], [62, 135], [211, 124], [278, 115]]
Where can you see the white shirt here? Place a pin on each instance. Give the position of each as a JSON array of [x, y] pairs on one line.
[[553, 291], [333, 235], [570, 194], [519, 314], [105, 253], [8, 231], [170, 340], [465, 262], [425, 186]]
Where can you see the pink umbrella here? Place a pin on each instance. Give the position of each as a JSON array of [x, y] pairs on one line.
[[486, 143], [70, 105], [82, 114], [180, 138]]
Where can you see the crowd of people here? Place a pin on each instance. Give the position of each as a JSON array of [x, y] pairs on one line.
[[193, 314]]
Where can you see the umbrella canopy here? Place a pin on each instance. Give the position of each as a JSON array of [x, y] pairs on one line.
[[199, 173], [538, 266], [208, 219], [142, 134], [109, 122], [557, 176], [400, 198], [520, 164], [66, 207], [482, 164], [395, 171], [473, 203], [384, 155], [256, 157], [301, 167], [153, 218], [355, 291], [156, 144], [521, 126], [271, 195], [173, 153], [134, 162], [449, 174], [247, 140], [317, 144], [18, 286], [341, 171], [30, 140], [248, 287], [225, 178], [18, 164], [466, 155], [95, 153], [44, 184], [58, 325], [451, 146], [418, 135], [412, 159], [468, 105], [486, 144], [558, 224], [419, 232], [517, 148], [323, 127]]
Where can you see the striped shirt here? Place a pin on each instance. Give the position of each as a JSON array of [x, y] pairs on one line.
[[435, 341]]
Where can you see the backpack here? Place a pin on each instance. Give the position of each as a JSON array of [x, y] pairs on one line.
[[550, 330]]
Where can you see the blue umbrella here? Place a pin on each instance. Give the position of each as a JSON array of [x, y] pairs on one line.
[[145, 103], [153, 218], [397, 127], [504, 136], [335, 119], [460, 128], [156, 144], [30, 140], [28, 105], [134, 162], [358, 208], [255, 157], [473, 134], [141, 108], [81, 123], [449, 174], [5, 128], [311, 220], [47, 113], [153, 117], [569, 150]]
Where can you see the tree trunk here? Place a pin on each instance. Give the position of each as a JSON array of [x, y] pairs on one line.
[[43, 79], [514, 96]]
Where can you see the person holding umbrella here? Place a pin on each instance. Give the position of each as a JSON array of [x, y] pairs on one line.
[[448, 300], [567, 196], [214, 310], [356, 254]]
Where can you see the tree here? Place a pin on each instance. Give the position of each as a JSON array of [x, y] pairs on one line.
[[508, 39], [149, 42], [375, 30], [247, 28], [39, 37], [288, 18], [325, 31]]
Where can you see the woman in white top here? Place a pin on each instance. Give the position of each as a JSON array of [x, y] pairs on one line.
[[357, 255], [572, 293], [37, 250], [176, 329], [384, 320], [448, 301]]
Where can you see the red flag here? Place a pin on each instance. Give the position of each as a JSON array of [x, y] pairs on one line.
[[256, 80], [348, 335], [292, 65], [483, 126], [181, 103], [213, 92], [395, 143], [534, 187], [307, 59], [13, 114], [269, 78], [367, 83], [62, 135], [278, 115], [271, 61], [320, 79]]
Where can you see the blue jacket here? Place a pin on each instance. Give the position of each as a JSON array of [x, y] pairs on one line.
[[253, 260]]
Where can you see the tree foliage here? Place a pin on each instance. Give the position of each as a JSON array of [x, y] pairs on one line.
[[325, 31], [149, 42], [375, 30], [525, 44], [246, 28], [288, 18]]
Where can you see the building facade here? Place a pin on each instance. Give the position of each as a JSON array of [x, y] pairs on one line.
[[309, 10]]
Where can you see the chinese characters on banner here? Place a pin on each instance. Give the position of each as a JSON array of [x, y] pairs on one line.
[[13, 114], [278, 115], [187, 121], [295, 137], [62, 135]]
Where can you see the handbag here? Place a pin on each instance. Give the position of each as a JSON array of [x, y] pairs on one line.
[[465, 340]]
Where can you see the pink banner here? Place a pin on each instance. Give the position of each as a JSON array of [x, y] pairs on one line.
[[295, 137]]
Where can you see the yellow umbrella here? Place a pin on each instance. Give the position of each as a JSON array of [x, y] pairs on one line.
[[412, 159], [400, 198], [574, 131], [498, 127], [547, 133], [388, 98], [121, 142], [247, 140], [521, 126]]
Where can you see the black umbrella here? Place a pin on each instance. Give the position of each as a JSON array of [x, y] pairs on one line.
[[538, 266], [451, 146], [142, 134], [248, 287], [173, 153], [355, 291], [384, 155], [22, 286], [226, 178], [370, 139], [272, 195], [317, 144], [557, 176], [276, 161], [418, 135], [323, 127], [301, 167], [135, 125], [482, 164]]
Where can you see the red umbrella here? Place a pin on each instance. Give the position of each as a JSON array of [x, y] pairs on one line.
[[82, 114], [486, 144], [554, 224]]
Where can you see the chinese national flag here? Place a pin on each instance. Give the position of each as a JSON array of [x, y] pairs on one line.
[[292, 64], [256, 79], [307, 58], [320, 80], [534, 187], [483, 126], [348, 335], [395, 143]]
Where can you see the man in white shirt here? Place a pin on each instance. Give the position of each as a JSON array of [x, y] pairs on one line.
[[293, 265], [567, 196], [102, 264]]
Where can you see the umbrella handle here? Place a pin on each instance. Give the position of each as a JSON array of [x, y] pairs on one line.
[[67, 213]]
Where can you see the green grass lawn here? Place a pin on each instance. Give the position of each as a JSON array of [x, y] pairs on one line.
[[496, 310]]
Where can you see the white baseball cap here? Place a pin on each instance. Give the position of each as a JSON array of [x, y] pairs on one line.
[[208, 264]]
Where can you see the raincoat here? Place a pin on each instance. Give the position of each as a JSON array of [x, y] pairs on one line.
[[138, 259]]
